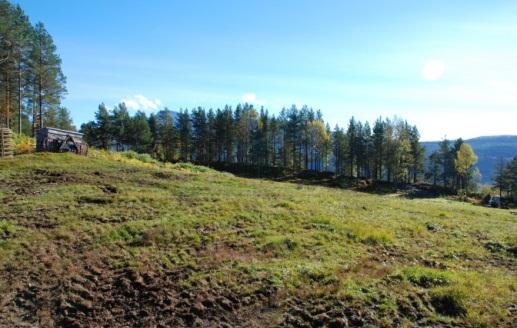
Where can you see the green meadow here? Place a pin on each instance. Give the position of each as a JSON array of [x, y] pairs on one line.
[[326, 256]]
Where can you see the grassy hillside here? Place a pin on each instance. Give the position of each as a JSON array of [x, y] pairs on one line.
[[109, 241]]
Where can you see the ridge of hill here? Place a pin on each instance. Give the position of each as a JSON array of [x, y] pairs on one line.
[[489, 149], [107, 240]]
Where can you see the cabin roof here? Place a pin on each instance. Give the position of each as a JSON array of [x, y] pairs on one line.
[[50, 130]]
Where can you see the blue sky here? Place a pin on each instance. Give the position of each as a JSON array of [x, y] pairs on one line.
[[448, 66]]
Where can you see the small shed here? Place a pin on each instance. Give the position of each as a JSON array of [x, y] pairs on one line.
[[58, 140], [117, 146]]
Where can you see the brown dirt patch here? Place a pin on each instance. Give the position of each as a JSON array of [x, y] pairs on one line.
[[93, 294]]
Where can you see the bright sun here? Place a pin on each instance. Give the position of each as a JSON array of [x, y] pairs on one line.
[[433, 70]]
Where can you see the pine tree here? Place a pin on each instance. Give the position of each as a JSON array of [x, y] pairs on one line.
[[184, 128], [89, 130], [276, 148], [378, 148], [121, 124], [15, 33], [455, 175], [154, 143], [340, 150], [59, 117], [229, 134], [104, 127], [64, 120], [212, 139], [390, 150], [434, 167], [417, 153], [351, 135], [140, 133], [31, 81], [200, 135], [98, 133], [511, 178], [500, 178], [167, 134], [446, 161], [45, 74]]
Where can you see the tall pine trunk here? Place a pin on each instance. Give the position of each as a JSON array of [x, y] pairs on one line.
[[7, 99], [19, 93]]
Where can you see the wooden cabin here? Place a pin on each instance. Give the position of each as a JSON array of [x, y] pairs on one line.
[[57, 140]]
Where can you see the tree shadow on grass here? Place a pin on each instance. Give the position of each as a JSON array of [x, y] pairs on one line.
[[330, 180]]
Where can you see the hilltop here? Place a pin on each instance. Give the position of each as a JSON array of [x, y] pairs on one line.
[[489, 149], [108, 240]]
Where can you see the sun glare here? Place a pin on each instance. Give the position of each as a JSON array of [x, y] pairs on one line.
[[433, 70]]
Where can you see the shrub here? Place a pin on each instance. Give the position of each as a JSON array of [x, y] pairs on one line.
[[23, 144], [145, 158]]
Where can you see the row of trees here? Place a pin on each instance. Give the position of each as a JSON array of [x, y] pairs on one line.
[[32, 83], [297, 139], [506, 179]]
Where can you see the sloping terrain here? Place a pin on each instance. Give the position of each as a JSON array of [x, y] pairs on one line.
[[106, 241]]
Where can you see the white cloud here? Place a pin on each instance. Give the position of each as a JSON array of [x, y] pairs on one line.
[[251, 98], [141, 102]]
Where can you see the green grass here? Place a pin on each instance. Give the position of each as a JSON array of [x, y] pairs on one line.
[[427, 277], [305, 240]]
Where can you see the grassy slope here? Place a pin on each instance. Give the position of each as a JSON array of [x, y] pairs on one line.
[[266, 252]]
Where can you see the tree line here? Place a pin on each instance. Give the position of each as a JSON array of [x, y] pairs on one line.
[[32, 83], [296, 139]]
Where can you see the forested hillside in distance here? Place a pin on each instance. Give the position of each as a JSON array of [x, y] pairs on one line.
[[490, 150]]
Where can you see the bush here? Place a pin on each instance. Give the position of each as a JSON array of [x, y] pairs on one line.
[[145, 158], [24, 144]]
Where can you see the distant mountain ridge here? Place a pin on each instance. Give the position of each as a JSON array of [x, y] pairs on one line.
[[489, 149]]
